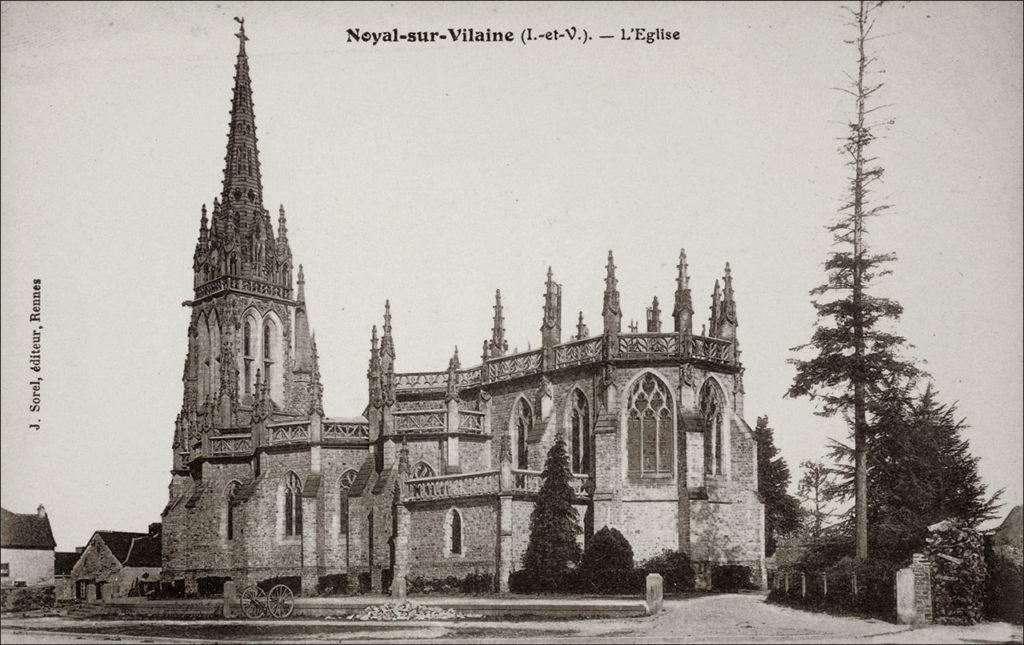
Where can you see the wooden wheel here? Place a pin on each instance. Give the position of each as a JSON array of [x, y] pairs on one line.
[[253, 602], [280, 601]]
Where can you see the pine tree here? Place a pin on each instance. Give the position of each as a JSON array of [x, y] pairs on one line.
[[920, 471], [854, 355], [554, 525], [781, 510], [816, 492]]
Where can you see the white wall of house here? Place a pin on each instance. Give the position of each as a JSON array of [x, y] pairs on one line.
[[31, 566]]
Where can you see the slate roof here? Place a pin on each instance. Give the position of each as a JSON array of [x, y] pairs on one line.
[[144, 552], [25, 531], [64, 562], [119, 542]]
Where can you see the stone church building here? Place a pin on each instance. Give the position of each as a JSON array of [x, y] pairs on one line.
[[438, 476]]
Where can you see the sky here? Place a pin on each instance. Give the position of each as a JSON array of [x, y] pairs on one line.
[[433, 174]]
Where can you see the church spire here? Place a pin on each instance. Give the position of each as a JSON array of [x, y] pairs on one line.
[[610, 311], [498, 345], [242, 184], [387, 343], [683, 312], [716, 311], [727, 313], [303, 342]]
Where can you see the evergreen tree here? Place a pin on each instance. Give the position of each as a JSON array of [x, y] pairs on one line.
[[920, 471], [554, 525], [854, 354], [816, 491], [781, 510]]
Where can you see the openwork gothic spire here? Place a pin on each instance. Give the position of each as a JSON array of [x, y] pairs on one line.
[[716, 310], [551, 327], [242, 183], [683, 311], [611, 311], [387, 343], [498, 346]]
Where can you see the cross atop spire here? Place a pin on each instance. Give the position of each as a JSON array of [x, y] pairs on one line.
[[241, 32]]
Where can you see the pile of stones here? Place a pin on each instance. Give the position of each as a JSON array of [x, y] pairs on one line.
[[408, 611]]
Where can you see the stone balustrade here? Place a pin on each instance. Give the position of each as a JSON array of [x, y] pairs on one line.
[[292, 432], [230, 445], [452, 486], [245, 285], [641, 346], [342, 431], [416, 421], [470, 421]]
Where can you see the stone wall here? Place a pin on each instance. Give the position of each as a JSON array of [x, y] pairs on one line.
[[430, 555]]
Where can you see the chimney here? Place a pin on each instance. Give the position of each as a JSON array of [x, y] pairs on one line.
[[79, 550], [41, 511]]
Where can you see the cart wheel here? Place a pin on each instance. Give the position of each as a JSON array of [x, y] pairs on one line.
[[254, 602], [280, 601]]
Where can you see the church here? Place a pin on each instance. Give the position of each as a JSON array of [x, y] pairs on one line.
[[438, 476]]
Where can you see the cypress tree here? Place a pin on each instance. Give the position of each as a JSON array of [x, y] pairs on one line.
[[781, 510], [553, 550]]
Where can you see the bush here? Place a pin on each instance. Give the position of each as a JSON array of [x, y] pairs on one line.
[[731, 577], [613, 581], [675, 569], [1005, 598], [365, 582], [170, 590], [26, 598], [522, 582], [608, 549]]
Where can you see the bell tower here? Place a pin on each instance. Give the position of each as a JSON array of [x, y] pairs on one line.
[[246, 328]]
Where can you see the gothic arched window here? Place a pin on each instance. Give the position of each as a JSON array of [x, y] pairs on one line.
[[522, 424], [266, 351], [347, 479], [649, 428], [422, 470], [247, 355], [455, 533], [580, 422], [293, 506], [231, 493], [711, 410]]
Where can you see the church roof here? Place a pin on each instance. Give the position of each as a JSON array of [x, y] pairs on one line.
[[25, 531]]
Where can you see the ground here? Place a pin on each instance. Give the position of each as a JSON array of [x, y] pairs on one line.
[[721, 618]]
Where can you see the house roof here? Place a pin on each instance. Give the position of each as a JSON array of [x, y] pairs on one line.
[[25, 531], [144, 552], [119, 542], [64, 562], [1010, 531]]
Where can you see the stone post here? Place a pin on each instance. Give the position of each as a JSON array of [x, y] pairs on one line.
[[922, 569], [655, 591], [398, 589], [803, 585], [230, 599]]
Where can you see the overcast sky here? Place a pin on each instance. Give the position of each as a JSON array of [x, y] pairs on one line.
[[433, 174]]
